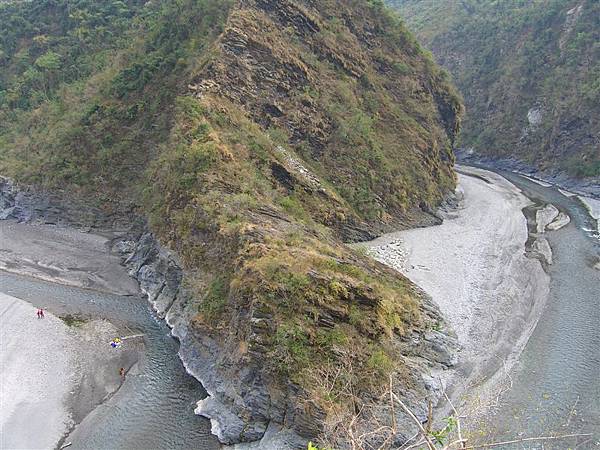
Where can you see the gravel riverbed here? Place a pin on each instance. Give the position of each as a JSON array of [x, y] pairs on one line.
[[474, 267]]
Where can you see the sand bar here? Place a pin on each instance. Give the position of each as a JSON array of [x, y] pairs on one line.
[[38, 372], [474, 268], [62, 255]]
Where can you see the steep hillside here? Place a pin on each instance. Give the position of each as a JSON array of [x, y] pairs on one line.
[[255, 137], [529, 72]]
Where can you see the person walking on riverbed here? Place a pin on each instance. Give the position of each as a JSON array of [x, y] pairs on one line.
[[41, 313]]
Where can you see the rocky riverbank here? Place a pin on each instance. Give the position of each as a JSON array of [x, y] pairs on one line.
[[587, 187], [593, 207], [237, 410], [242, 408], [242, 405]]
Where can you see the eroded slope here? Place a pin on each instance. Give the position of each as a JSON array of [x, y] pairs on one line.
[[255, 140]]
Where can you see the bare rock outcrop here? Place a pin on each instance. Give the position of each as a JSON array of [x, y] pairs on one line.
[[562, 220], [542, 250], [545, 216], [244, 401]]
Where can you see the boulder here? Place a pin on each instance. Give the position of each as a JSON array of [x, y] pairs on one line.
[[545, 216], [541, 249], [561, 221]]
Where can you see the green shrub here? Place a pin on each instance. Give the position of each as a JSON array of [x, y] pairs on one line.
[[292, 348], [294, 207], [380, 362], [215, 301]]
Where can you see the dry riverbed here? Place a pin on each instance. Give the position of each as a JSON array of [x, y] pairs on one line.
[[474, 267], [63, 255], [55, 370]]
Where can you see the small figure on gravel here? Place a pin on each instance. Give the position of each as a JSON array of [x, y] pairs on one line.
[[40, 313], [122, 373]]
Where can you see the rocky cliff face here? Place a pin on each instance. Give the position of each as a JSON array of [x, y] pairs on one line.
[[245, 402], [326, 77], [529, 75], [279, 133], [332, 93]]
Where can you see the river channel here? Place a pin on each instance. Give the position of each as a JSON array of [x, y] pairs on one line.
[[556, 383], [153, 409]]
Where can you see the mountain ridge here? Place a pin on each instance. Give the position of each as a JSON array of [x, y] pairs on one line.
[[528, 71], [254, 138]]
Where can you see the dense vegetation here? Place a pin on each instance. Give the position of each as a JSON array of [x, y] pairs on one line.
[[254, 137], [87, 87], [521, 57]]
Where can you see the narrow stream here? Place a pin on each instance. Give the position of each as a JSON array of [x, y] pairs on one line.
[[153, 410], [556, 384]]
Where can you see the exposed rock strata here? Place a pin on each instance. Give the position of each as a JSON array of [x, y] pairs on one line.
[[243, 404], [25, 204], [277, 64]]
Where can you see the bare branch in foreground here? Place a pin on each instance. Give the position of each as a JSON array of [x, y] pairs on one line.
[[374, 425], [413, 418], [530, 439], [463, 442]]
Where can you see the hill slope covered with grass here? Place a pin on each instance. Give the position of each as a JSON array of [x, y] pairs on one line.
[[255, 137], [529, 72]]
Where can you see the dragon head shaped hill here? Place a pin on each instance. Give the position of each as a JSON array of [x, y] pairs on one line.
[[249, 140]]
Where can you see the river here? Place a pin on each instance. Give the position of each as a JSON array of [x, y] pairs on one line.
[[556, 383], [152, 410]]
